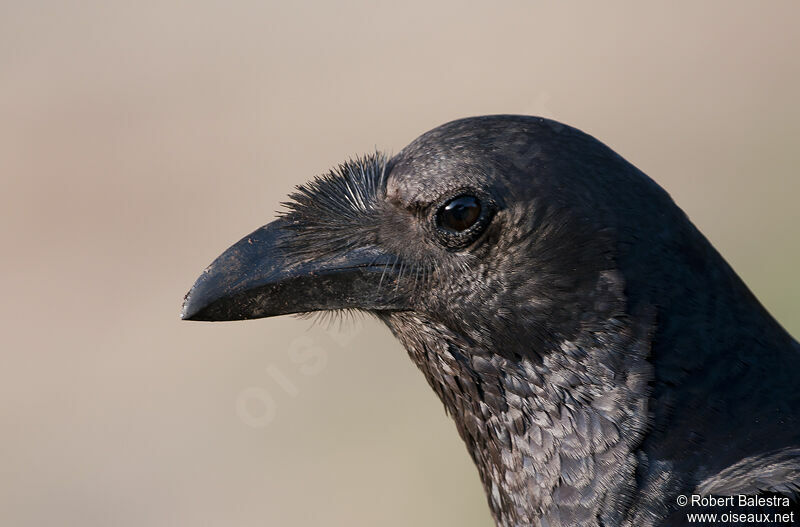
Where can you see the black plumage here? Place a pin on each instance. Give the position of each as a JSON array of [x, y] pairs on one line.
[[598, 356]]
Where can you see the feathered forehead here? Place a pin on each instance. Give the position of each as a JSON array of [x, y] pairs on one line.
[[331, 211], [354, 187]]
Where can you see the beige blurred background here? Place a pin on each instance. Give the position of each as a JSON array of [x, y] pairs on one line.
[[139, 139]]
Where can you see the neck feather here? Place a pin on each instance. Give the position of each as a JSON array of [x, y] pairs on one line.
[[553, 434]]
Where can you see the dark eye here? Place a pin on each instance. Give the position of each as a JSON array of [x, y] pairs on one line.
[[459, 214], [460, 220]]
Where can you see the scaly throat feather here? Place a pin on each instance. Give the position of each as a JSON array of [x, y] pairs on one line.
[[555, 438]]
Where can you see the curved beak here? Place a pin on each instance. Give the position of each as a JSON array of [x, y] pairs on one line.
[[260, 276]]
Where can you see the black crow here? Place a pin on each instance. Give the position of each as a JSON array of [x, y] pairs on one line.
[[602, 362]]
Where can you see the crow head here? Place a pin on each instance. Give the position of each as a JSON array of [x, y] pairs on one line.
[[486, 225]]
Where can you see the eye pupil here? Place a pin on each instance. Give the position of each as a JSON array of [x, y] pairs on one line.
[[460, 213]]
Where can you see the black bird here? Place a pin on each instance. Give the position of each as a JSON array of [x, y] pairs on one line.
[[599, 357]]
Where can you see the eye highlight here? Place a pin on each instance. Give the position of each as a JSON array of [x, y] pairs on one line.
[[459, 214]]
